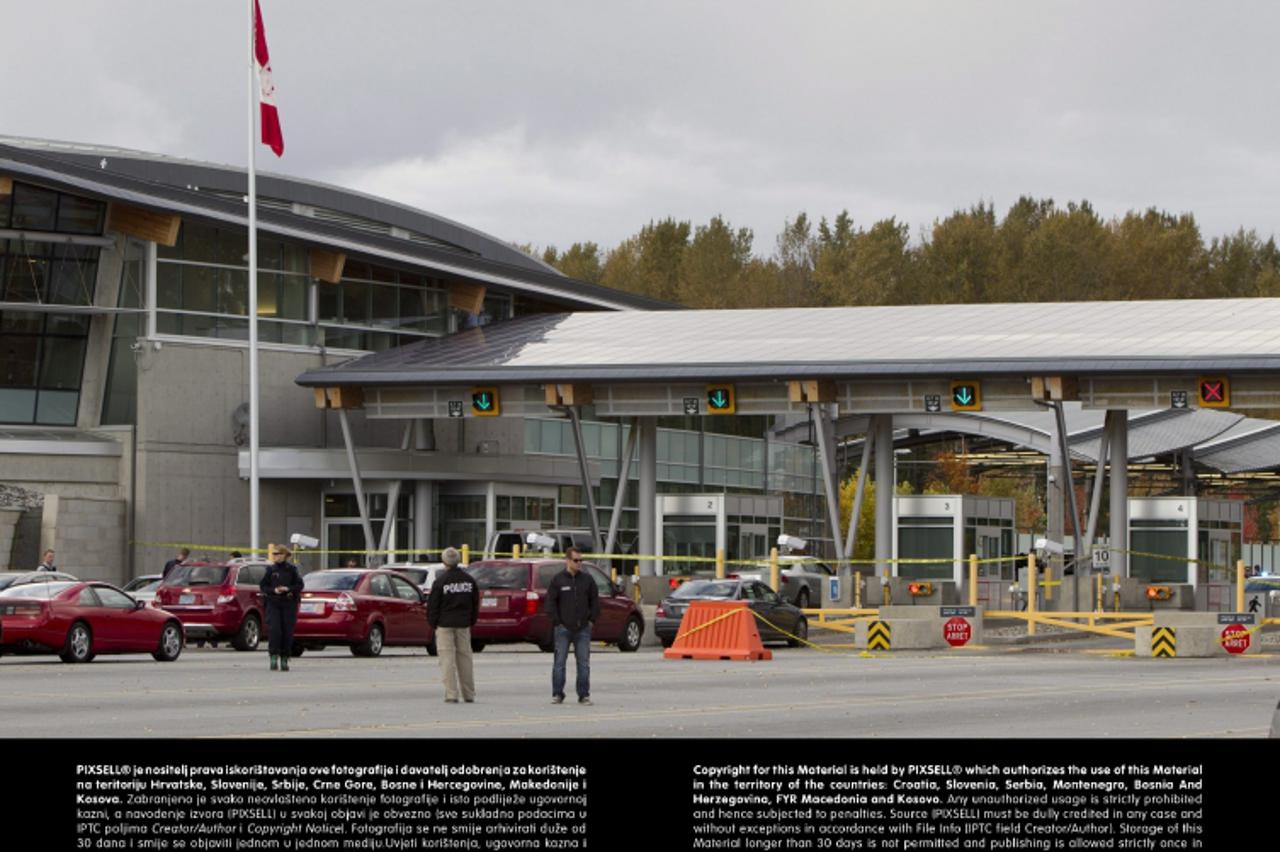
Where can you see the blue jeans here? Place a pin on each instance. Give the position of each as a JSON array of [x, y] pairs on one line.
[[581, 639]]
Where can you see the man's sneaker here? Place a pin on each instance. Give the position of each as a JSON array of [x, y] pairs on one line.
[[584, 700], [451, 701], [557, 699]]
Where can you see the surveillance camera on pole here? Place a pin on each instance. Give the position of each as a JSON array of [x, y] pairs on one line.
[[537, 541], [304, 542]]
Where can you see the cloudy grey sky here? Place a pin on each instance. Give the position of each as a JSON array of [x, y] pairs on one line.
[[554, 122]]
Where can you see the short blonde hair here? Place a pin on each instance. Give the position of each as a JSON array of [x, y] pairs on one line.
[[273, 549]]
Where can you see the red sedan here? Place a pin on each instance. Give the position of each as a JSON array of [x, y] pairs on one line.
[[365, 609], [78, 621]]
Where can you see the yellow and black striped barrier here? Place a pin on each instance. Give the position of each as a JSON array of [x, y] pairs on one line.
[[1164, 642], [879, 636]]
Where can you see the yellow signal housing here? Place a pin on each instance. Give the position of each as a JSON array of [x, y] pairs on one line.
[[485, 402], [721, 400], [1214, 391], [966, 396]]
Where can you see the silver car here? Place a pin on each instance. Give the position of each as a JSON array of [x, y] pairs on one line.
[[799, 580]]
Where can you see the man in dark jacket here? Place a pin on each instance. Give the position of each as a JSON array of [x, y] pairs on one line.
[[573, 606], [452, 609], [180, 559]]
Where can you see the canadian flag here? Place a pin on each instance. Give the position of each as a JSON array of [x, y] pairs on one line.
[[272, 136]]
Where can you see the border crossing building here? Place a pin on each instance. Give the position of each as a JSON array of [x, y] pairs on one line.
[[124, 382]]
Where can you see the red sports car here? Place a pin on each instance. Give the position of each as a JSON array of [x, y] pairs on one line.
[[365, 609], [79, 620]]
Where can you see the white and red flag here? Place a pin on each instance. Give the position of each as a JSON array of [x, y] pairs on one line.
[[272, 136]]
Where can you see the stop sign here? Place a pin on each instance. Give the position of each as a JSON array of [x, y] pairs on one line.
[[1235, 638], [957, 632]]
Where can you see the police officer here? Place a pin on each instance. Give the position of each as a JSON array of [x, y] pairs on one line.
[[281, 590], [573, 606], [452, 609]]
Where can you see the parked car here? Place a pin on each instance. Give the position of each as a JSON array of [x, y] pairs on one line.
[[363, 609], [18, 578], [759, 597], [78, 620], [217, 600], [513, 595], [143, 588], [503, 540], [799, 580], [423, 574]]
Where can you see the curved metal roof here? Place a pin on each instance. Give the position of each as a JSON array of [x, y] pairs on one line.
[[1077, 338], [316, 213]]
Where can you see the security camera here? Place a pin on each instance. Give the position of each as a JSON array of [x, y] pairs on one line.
[[1046, 548], [306, 541], [545, 543], [791, 543]]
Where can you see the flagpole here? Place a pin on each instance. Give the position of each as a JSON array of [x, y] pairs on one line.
[[254, 532]]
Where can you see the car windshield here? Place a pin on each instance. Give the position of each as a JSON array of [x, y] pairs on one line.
[[6, 580], [142, 584], [45, 591], [196, 575], [331, 580], [705, 589], [501, 576]]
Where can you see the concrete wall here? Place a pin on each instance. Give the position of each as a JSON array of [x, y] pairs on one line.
[[8, 534], [88, 535]]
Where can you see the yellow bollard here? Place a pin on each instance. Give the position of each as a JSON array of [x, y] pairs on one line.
[[1240, 585], [1033, 586], [1098, 606], [466, 555], [515, 551], [973, 579], [773, 569], [1048, 583], [613, 575], [857, 590], [719, 563]]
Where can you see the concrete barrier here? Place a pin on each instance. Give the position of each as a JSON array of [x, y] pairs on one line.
[[1197, 634], [920, 628]]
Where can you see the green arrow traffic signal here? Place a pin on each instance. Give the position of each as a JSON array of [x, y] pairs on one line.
[[720, 399], [484, 402], [966, 396]]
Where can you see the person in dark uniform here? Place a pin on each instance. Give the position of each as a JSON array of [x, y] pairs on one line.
[[573, 605], [180, 559], [452, 609], [281, 590]]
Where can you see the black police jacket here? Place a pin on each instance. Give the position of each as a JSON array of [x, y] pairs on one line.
[[282, 574], [454, 600], [573, 600]]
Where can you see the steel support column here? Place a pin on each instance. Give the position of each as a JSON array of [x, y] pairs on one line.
[[619, 499], [588, 490], [356, 483], [648, 429], [884, 493], [825, 441], [855, 512], [1117, 426], [393, 498], [1095, 498]]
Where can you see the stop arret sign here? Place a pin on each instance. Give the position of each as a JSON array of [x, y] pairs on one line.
[[957, 632], [1235, 638]]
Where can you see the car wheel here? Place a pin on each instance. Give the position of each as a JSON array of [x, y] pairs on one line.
[[297, 650], [631, 634], [79, 645], [477, 645], [433, 650], [801, 633], [249, 634], [372, 644], [548, 648], [667, 641], [802, 599], [170, 643]]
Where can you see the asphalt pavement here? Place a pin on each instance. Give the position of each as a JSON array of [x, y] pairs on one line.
[[1011, 692]]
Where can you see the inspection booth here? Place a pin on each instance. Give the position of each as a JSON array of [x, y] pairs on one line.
[[950, 527], [743, 525], [1191, 540]]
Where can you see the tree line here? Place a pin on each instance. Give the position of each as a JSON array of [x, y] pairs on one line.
[[1038, 252]]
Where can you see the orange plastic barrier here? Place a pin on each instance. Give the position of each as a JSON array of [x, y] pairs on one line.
[[718, 630]]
